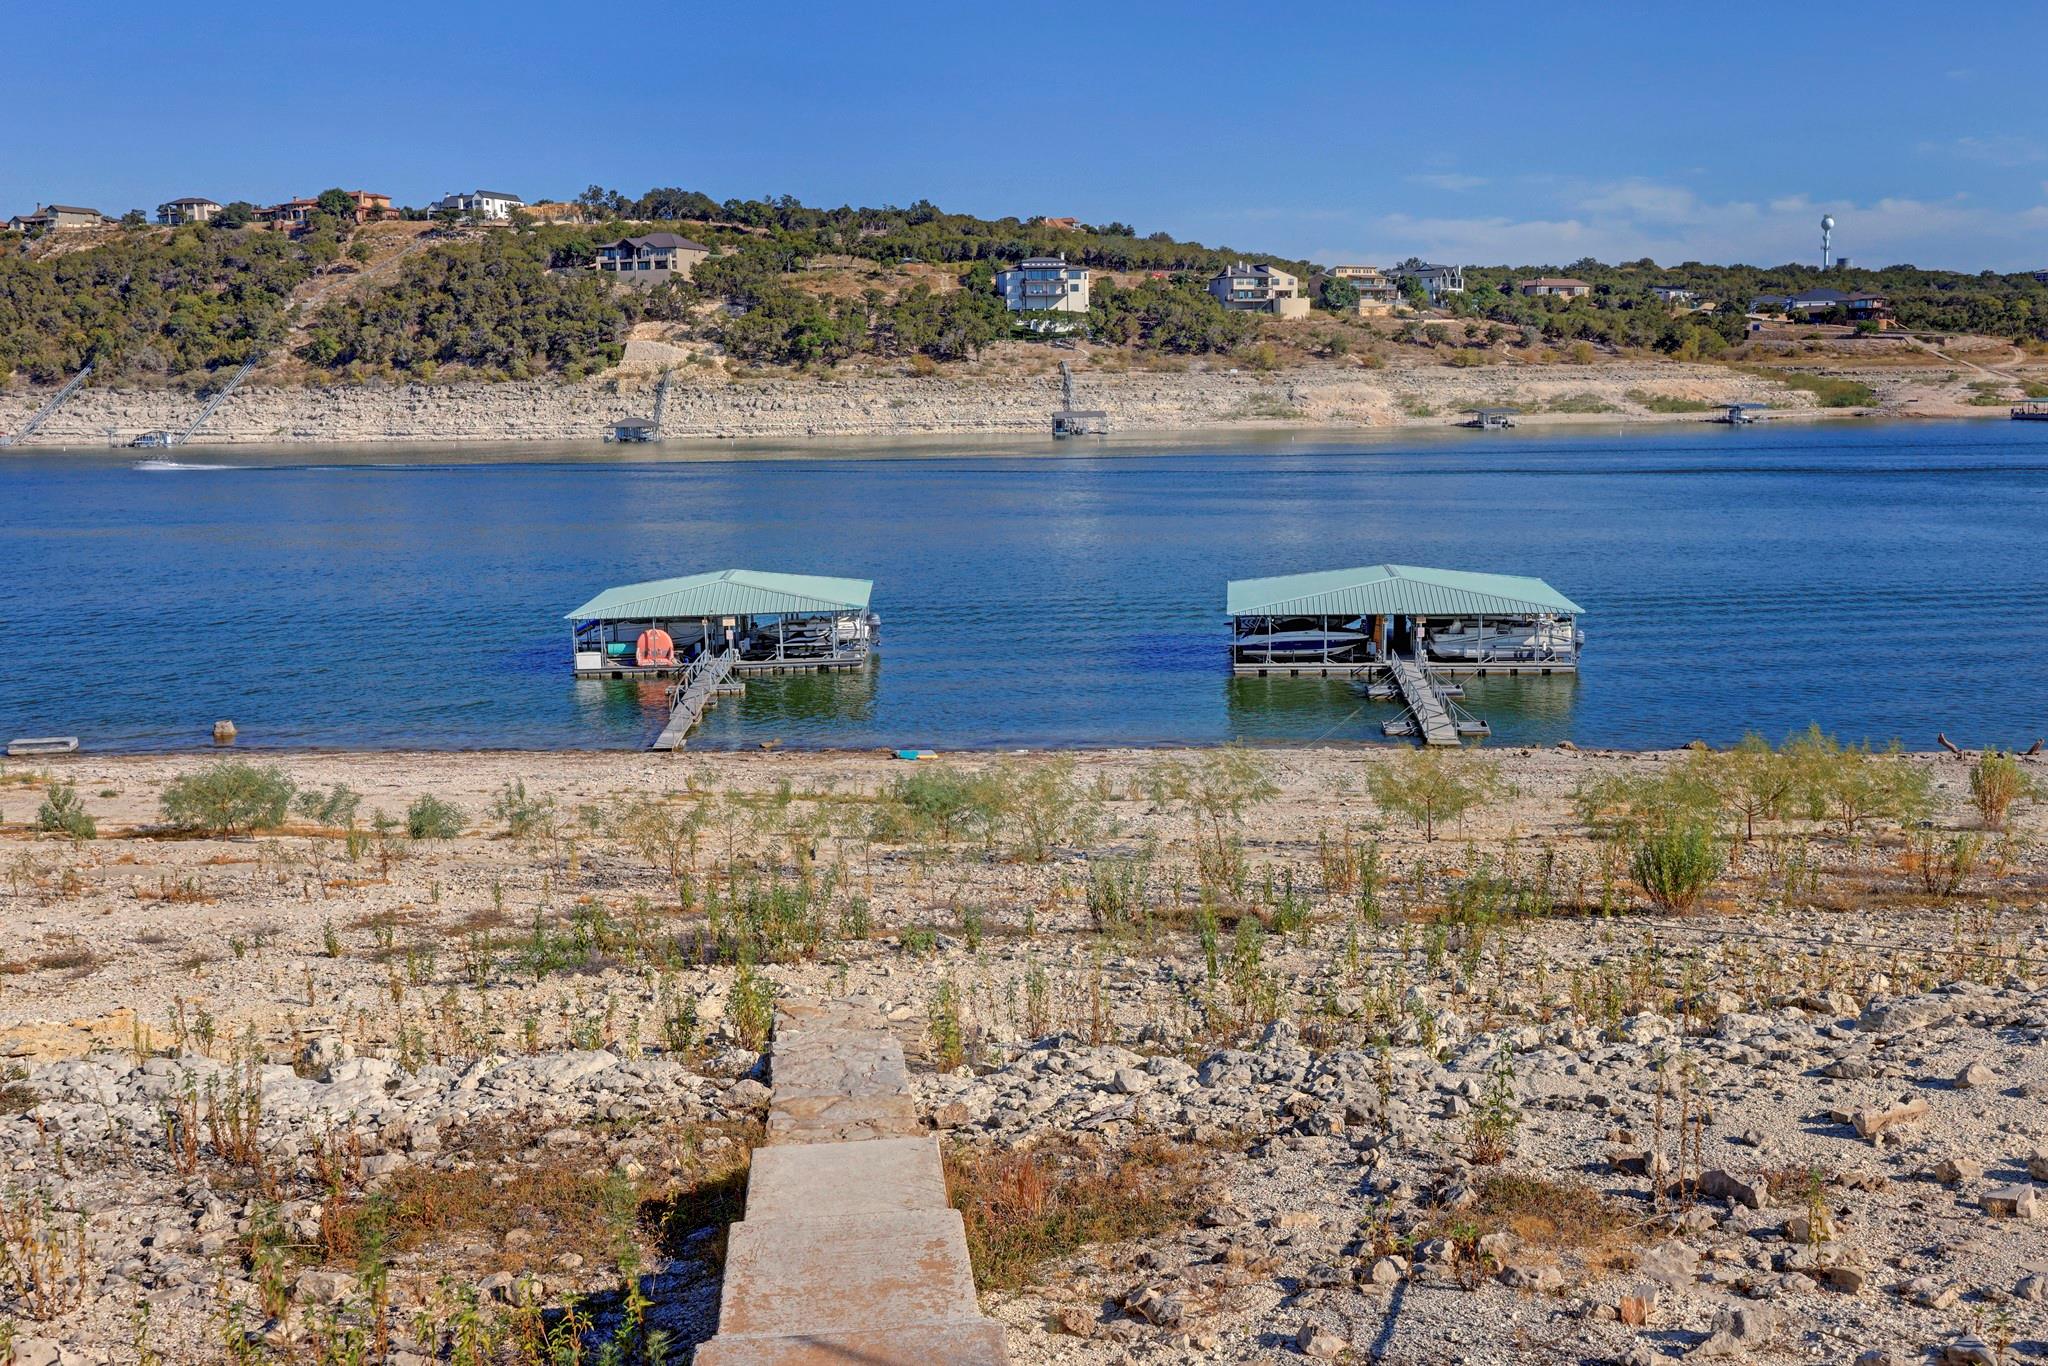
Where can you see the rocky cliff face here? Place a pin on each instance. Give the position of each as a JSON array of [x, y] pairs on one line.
[[875, 406]]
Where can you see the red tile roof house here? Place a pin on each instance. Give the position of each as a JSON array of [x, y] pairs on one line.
[[291, 215]]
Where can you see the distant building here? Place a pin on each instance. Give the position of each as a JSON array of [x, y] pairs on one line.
[[56, 217], [187, 210], [1259, 289], [1376, 293], [1675, 294], [1044, 284], [1063, 224], [1545, 286], [1436, 280], [494, 205], [365, 206], [651, 260], [1811, 304]]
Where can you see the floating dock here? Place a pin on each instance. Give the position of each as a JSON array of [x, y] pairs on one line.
[[774, 623], [1432, 711], [696, 691]]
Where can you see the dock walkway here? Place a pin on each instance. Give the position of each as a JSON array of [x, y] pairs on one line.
[[849, 1251], [1429, 707], [696, 690]]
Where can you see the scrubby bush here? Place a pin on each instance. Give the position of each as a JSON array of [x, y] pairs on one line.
[[1676, 862], [62, 813], [1854, 785], [336, 807], [1997, 782], [430, 818], [522, 815], [229, 797], [1429, 788]]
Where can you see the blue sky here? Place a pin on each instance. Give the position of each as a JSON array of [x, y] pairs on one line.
[[1487, 133]]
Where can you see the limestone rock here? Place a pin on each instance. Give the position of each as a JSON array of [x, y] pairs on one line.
[[1316, 1341], [1739, 1330], [1875, 1120], [2012, 1202]]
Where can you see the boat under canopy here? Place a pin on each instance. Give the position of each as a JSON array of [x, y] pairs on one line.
[[771, 621]]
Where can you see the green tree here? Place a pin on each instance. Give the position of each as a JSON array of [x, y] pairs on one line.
[[1337, 295], [1431, 788]]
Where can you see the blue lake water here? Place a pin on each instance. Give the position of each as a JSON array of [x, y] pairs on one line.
[[1881, 579]]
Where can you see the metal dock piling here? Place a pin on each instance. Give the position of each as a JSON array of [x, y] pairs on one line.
[[697, 689]]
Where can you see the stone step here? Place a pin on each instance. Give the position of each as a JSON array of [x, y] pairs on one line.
[[838, 1119], [846, 1180], [877, 1273], [954, 1344]]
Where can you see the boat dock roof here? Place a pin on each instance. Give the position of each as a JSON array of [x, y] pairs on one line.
[[1398, 590], [726, 593]]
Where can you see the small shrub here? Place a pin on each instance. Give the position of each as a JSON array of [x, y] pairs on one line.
[[522, 815], [62, 813], [430, 818], [1675, 863], [335, 808], [1997, 782], [229, 797], [750, 1010], [1429, 789]]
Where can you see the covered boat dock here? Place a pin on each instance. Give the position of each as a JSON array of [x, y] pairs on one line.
[[766, 622], [1359, 621]]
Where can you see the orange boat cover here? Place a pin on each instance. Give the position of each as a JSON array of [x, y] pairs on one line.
[[655, 650]]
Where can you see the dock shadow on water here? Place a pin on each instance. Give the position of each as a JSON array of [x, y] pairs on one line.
[[1528, 709]]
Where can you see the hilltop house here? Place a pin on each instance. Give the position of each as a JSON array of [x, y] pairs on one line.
[[651, 260], [187, 210], [1376, 293], [1259, 289], [55, 217], [1551, 285], [1436, 280], [1063, 224], [1675, 294], [365, 206], [1044, 284], [492, 205], [1813, 305]]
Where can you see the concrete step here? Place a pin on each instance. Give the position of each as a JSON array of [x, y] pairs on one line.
[[878, 1273], [846, 1180], [953, 1344], [839, 1119]]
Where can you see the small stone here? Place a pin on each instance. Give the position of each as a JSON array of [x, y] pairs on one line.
[[952, 1115], [2037, 1164], [1633, 1310], [1297, 1218], [1670, 1263], [1386, 1271], [1075, 1321], [1132, 1081], [1720, 1185], [1315, 1341], [1929, 1293], [1738, 1330], [1153, 1305], [1848, 1280], [1969, 1351], [1875, 1120], [1527, 1276], [323, 1287], [2012, 1202], [1953, 1171], [2032, 1289], [1974, 1076]]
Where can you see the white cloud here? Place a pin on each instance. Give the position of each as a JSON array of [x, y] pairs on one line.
[[1629, 219], [2002, 149], [1448, 180]]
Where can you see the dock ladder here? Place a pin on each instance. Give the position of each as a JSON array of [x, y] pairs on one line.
[[42, 414], [220, 396]]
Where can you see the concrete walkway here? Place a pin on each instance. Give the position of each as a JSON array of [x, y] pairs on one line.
[[849, 1254]]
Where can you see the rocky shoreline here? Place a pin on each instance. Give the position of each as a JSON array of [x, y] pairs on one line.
[[711, 408]]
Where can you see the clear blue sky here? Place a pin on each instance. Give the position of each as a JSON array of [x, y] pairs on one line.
[[1477, 132]]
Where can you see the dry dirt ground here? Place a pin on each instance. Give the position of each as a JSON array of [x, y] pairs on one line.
[[1279, 1077]]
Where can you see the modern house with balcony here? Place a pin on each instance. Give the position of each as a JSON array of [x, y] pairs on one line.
[[56, 217], [1044, 284], [1376, 293], [652, 259], [190, 209], [1436, 280], [491, 205], [1259, 288], [1547, 286]]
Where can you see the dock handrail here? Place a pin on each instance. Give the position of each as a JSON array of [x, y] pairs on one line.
[[698, 668]]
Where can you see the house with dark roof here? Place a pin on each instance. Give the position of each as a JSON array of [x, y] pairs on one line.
[[190, 209], [1044, 284], [1260, 288], [1436, 280], [651, 259], [54, 217]]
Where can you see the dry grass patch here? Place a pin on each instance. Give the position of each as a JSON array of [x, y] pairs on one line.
[[1024, 1207], [1560, 1218]]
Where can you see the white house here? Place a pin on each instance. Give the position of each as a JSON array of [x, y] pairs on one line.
[[1436, 281], [190, 209], [1259, 289], [485, 204], [1044, 284]]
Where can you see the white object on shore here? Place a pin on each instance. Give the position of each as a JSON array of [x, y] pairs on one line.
[[42, 744]]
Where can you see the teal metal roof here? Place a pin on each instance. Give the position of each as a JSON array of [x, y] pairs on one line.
[[1395, 589], [726, 593]]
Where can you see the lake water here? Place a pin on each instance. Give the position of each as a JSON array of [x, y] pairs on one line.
[[1882, 580]]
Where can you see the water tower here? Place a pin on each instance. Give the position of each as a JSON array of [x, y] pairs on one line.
[[1827, 233]]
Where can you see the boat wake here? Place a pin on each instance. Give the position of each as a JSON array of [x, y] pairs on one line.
[[154, 465]]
